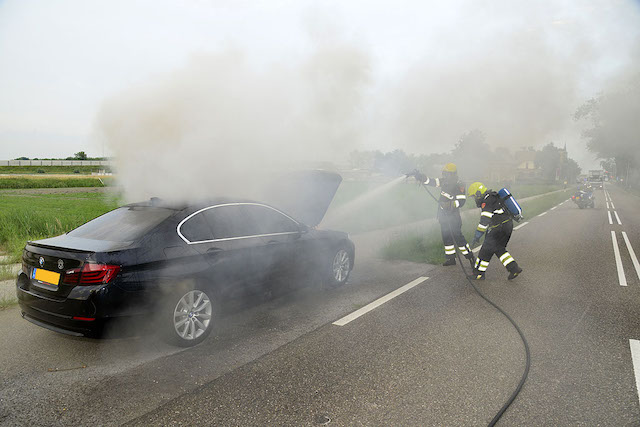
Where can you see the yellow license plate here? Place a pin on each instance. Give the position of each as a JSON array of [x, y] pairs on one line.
[[46, 276]]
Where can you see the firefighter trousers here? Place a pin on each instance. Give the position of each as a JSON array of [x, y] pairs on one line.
[[451, 228], [495, 243]]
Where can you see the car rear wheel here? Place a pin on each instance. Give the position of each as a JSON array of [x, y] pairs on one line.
[[340, 266], [188, 317]]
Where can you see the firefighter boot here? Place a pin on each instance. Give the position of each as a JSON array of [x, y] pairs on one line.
[[514, 271], [449, 261]]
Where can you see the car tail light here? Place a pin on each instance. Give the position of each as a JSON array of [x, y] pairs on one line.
[[91, 274]]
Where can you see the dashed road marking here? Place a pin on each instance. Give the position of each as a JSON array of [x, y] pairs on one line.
[[608, 205], [377, 303], [610, 220], [612, 206], [521, 225], [617, 217], [553, 208], [543, 214], [634, 259], [621, 277], [635, 358]]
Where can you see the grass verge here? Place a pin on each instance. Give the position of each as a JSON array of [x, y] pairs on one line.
[[6, 302], [32, 217], [57, 182], [50, 169], [427, 247]]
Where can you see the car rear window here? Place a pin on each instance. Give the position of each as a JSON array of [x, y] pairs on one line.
[[124, 224]]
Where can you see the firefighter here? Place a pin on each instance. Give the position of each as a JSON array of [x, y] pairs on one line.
[[497, 222], [452, 198]]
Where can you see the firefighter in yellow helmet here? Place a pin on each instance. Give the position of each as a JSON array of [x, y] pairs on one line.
[[496, 221], [452, 198]]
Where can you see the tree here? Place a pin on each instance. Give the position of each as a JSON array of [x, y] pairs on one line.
[[614, 131], [80, 155]]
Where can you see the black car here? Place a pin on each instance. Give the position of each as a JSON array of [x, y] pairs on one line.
[[179, 263]]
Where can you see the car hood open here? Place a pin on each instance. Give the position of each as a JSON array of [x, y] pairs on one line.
[[305, 195]]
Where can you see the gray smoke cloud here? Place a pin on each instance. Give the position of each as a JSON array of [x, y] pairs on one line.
[[517, 71], [215, 126]]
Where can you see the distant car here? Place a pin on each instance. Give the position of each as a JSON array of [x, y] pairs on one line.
[[178, 263]]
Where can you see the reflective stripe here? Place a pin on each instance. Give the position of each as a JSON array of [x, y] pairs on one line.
[[487, 214], [427, 181], [464, 250], [461, 197], [484, 263], [437, 182], [450, 251], [477, 262], [447, 195], [508, 261], [499, 211], [504, 256], [482, 227], [456, 204], [482, 268], [449, 247]]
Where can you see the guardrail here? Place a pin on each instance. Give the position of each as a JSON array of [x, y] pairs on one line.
[[56, 162]]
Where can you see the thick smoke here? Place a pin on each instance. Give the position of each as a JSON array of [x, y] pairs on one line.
[[516, 71], [218, 125]]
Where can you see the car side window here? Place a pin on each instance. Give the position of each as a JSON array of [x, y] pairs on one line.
[[264, 220], [196, 229], [227, 222]]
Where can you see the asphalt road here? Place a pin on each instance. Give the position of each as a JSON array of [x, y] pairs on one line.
[[436, 354]]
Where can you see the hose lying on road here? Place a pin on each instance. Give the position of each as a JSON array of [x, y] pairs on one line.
[[515, 325]]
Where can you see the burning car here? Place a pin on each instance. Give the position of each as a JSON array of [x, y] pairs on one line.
[[178, 263]]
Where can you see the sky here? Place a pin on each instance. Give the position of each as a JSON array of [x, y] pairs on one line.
[[418, 74]]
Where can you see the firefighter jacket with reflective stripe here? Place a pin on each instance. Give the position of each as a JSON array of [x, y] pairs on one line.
[[493, 214], [452, 196]]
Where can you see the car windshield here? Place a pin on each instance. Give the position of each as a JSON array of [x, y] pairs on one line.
[[124, 224]]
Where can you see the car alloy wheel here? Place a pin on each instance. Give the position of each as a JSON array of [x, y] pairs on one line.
[[192, 315], [341, 266]]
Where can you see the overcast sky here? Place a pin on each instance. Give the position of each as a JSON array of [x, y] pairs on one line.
[[60, 59]]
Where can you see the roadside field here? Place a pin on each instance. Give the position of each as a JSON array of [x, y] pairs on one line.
[[50, 169], [427, 246], [59, 181], [27, 216]]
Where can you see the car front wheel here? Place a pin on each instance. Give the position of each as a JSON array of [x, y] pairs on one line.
[[340, 266], [188, 318]]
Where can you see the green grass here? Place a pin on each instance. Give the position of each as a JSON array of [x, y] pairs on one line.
[[50, 169], [404, 203], [37, 182], [32, 217], [7, 302], [427, 246]]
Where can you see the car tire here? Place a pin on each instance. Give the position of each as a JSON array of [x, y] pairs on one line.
[[187, 317], [339, 266]]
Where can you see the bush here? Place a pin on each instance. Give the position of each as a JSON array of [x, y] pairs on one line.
[[76, 171], [40, 171]]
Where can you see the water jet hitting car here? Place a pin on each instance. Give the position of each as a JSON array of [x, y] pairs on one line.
[[176, 263]]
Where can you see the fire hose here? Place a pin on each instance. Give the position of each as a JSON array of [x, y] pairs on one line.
[[504, 313]]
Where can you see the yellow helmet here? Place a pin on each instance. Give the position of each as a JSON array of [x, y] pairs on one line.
[[450, 167], [477, 187]]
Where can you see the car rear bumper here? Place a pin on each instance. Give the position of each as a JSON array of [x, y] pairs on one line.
[[58, 322]]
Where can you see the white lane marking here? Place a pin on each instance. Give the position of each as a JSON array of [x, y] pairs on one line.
[[543, 213], [621, 277], [610, 221], [635, 358], [612, 206], [636, 264], [521, 225], [553, 208], [617, 218], [367, 308], [608, 205]]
